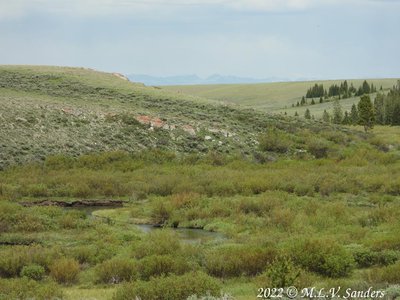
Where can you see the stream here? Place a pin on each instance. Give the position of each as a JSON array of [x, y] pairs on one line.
[[187, 235]]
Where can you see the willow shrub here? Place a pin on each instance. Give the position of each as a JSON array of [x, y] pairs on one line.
[[117, 270], [24, 288], [237, 260], [159, 265], [324, 257], [65, 270], [173, 287]]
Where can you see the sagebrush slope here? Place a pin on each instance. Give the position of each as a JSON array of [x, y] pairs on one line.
[[49, 110]]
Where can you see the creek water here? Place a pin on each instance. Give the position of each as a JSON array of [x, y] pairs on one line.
[[187, 235]]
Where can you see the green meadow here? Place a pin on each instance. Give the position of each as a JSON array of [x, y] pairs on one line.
[[279, 201]]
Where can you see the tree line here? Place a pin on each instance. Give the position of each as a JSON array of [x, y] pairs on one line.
[[344, 90], [384, 110]]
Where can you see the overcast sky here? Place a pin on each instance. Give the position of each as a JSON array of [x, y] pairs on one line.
[[255, 38]]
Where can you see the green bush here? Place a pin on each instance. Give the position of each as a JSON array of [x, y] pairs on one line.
[[72, 220], [58, 162], [161, 211], [84, 254], [159, 242], [275, 140], [237, 260], [319, 148], [173, 287], [282, 272], [366, 258], [24, 288], [324, 257], [37, 190], [34, 272], [13, 259], [387, 257], [157, 265], [65, 270], [117, 270], [251, 206], [388, 275]]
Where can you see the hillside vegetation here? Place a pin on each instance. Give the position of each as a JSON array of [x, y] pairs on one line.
[[285, 201], [47, 110], [273, 97], [50, 110]]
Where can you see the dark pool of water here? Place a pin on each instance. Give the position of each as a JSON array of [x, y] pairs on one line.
[[188, 235]]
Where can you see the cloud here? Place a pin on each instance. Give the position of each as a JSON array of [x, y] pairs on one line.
[[270, 5], [19, 8]]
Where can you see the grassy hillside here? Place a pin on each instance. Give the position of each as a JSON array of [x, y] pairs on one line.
[[272, 97]]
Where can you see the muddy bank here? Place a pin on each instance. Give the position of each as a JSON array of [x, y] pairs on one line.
[[75, 203]]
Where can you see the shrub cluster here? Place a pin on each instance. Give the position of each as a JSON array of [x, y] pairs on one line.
[[388, 275], [159, 265], [117, 270], [65, 270], [324, 257], [14, 259], [237, 260], [24, 288], [173, 287], [34, 272], [365, 257]]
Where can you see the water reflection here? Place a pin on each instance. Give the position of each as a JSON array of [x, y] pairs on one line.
[[188, 235]]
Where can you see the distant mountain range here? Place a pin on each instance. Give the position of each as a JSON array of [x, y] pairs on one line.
[[194, 79]]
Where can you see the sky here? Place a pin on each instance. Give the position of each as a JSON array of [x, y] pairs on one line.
[[293, 39]]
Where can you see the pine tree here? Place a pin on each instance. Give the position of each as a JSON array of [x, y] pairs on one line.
[[296, 114], [321, 100], [312, 102], [354, 115], [373, 89], [337, 112], [346, 118], [366, 112], [396, 115], [379, 109], [352, 90], [366, 88], [326, 117], [307, 114]]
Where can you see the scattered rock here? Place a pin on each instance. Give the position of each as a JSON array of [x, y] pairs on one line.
[[19, 119], [189, 129], [153, 122], [119, 75]]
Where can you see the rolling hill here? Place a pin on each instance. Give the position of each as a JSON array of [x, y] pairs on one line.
[[51, 110], [272, 97]]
